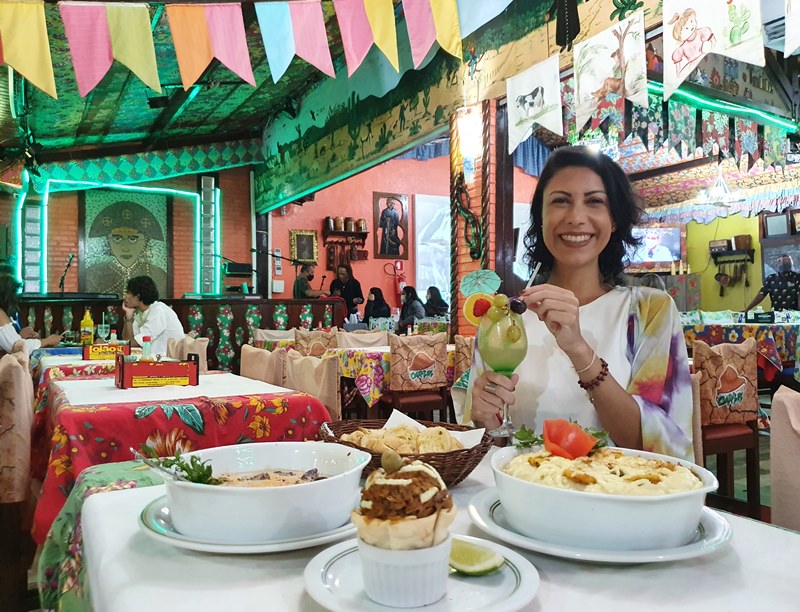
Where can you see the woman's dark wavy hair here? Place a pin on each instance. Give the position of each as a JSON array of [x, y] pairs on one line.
[[436, 297], [411, 294], [622, 201], [9, 291], [378, 293]]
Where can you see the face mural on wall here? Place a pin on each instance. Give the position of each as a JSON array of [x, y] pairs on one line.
[[124, 237]]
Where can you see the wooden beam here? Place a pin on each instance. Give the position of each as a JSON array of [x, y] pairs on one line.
[[782, 84]]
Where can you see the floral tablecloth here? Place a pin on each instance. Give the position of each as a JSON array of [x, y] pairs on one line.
[[92, 433], [369, 367], [37, 354], [777, 344], [60, 575]]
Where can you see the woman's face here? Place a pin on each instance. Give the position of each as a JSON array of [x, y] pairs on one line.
[[371, 297], [127, 245], [576, 219], [689, 27]]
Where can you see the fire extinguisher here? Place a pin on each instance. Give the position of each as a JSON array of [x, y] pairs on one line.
[[399, 278]]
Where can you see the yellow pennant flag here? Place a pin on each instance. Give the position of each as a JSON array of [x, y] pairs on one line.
[[380, 14], [25, 45], [448, 30], [132, 41]]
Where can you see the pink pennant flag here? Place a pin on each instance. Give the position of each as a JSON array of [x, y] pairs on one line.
[[310, 37], [356, 32], [421, 28], [89, 40], [228, 38]]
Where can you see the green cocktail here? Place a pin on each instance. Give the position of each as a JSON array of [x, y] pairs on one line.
[[503, 344]]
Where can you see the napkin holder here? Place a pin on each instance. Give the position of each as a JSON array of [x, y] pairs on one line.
[[92, 352], [138, 374]]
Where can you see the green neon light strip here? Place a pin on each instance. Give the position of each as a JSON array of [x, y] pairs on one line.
[[43, 238], [217, 240], [23, 194], [160, 190], [727, 107]]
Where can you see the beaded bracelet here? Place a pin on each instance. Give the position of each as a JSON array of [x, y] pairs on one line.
[[595, 382]]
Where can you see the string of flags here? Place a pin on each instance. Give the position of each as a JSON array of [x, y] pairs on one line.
[[99, 33]]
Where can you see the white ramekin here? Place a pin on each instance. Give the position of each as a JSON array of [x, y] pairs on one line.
[[405, 578]]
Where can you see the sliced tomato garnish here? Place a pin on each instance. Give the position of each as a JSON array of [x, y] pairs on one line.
[[565, 439]]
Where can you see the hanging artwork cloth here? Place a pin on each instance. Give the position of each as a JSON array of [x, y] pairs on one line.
[[100, 33], [646, 120], [774, 146], [791, 41], [694, 29], [716, 133], [24, 44], [610, 66], [682, 125], [746, 142], [534, 98]]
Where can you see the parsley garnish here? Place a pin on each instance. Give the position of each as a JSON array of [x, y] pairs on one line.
[[194, 470]]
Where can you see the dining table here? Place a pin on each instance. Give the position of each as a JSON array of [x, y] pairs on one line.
[[88, 421], [129, 571]]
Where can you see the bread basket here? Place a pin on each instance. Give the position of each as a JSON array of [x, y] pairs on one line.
[[453, 466]]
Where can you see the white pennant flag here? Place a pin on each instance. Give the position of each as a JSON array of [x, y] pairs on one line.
[[611, 63], [694, 29], [792, 41], [534, 97]]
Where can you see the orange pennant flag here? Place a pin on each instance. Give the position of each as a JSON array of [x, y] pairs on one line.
[[25, 47], [189, 29]]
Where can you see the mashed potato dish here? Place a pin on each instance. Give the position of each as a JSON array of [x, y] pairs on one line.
[[606, 471]]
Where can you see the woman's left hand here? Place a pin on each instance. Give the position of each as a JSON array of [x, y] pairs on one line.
[[557, 308]]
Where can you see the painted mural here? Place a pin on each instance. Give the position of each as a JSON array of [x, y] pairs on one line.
[[344, 125]]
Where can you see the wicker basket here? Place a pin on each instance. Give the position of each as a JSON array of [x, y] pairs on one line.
[[453, 466]]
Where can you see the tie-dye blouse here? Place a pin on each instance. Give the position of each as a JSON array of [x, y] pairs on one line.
[[637, 331]]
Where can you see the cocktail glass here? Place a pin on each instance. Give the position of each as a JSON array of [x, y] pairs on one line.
[[103, 330], [503, 345]]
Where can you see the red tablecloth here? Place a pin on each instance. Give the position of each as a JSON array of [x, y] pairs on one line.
[[92, 433]]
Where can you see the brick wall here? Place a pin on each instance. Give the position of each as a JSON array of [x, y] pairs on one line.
[[236, 223]]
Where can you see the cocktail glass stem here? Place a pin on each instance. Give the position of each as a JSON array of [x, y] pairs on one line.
[[506, 429]]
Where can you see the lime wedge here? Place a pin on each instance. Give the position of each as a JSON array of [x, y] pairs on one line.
[[474, 560]]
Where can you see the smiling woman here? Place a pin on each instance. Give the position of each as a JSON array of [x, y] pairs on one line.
[[123, 239]]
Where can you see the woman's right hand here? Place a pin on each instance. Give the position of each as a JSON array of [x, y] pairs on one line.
[[488, 403], [51, 340]]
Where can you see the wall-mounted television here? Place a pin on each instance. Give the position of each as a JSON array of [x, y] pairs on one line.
[[660, 246]]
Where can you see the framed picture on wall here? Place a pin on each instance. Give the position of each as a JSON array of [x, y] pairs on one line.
[[775, 224], [123, 234], [391, 225], [303, 245]]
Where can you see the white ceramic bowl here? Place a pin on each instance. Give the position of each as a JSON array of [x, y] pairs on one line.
[[599, 520], [243, 515]]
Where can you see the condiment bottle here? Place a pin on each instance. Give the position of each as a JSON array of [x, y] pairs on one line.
[[408, 331], [146, 355], [87, 328], [113, 339]]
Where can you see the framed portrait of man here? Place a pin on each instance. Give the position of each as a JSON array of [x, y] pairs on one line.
[[124, 234], [303, 245], [391, 225]]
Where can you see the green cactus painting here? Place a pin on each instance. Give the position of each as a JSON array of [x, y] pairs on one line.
[[739, 20]]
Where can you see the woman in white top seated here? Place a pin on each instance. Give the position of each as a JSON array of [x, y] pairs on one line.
[[600, 353], [146, 316], [9, 336]]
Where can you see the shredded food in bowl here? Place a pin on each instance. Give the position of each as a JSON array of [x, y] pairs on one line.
[[605, 471], [268, 478]]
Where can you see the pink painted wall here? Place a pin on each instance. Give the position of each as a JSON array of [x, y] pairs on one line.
[[353, 198]]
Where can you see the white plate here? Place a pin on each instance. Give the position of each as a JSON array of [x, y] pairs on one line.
[[156, 522], [333, 578], [486, 512]]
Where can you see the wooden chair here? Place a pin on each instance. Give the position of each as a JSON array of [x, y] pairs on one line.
[[784, 456], [697, 420], [261, 364], [16, 420], [729, 411], [180, 349], [417, 379], [317, 377]]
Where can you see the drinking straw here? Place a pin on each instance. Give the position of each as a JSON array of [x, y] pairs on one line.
[[533, 275]]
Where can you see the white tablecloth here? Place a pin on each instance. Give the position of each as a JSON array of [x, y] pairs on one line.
[[81, 392], [129, 572]]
